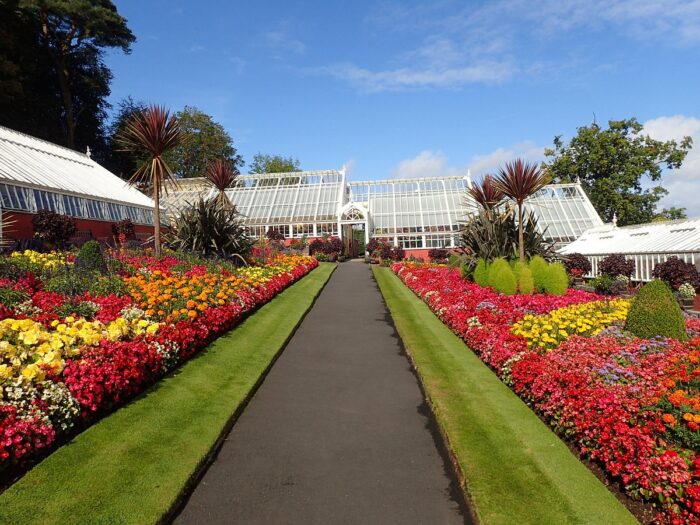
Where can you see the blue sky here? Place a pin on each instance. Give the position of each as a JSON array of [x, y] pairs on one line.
[[420, 88]]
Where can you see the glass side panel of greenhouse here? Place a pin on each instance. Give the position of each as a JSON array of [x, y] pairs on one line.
[[288, 198]]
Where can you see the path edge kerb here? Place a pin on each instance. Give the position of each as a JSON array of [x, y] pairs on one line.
[[467, 503], [210, 457]]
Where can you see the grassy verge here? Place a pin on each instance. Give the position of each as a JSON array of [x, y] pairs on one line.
[[131, 467], [515, 469]]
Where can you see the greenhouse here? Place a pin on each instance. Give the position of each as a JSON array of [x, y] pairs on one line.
[[647, 244], [39, 175], [415, 214]]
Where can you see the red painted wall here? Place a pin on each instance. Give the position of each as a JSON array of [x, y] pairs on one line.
[[100, 230]]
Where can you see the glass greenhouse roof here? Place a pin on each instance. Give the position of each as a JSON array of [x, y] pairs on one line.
[[420, 212], [283, 198]]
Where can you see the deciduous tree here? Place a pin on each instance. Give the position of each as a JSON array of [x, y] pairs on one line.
[[613, 165]]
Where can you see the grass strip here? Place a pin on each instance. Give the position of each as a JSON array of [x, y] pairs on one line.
[[131, 467], [516, 469]]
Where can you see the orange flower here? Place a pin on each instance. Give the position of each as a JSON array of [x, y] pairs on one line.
[[669, 420]]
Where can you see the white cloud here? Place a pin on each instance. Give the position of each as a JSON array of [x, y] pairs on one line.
[[492, 161], [196, 48], [683, 184], [429, 163]]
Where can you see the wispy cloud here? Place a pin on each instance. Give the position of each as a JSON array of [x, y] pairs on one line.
[[427, 163], [281, 40], [196, 48], [417, 77], [460, 45]]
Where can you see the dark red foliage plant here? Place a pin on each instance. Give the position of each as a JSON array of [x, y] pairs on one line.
[[53, 227], [616, 264], [576, 263], [675, 272]]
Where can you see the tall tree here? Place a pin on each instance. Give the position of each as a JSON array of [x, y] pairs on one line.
[[203, 142], [121, 163], [670, 214], [149, 135], [613, 164], [74, 34], [273, 164]]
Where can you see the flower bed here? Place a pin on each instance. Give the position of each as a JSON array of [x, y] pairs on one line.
[[66, 361], [632, 405]]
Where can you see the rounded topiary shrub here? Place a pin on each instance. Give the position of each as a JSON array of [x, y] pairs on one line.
[[556, 281], [90, 257], [538, 267], [481, 273], [656, 313], [501, 277], [526, 284]]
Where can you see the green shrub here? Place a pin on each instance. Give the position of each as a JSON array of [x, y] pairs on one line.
[[523, 275], [501, 277], [12, 298], [454, 260], [481, 273], [70, 282], [655, 312], [90, 257], [106, 285], [538, 267], [556, 280]]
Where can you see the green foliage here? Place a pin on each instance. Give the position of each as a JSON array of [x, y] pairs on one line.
[[454, 261], [656, 313], [90, 257], [490, 235], [538, 267], [11, 298], [273, 164], [556, 280], [86, 309], [612, 163], [526, 284], [203, 141], [208, 229], [501, 277], [107, 284], [670, 214], [481, 273]]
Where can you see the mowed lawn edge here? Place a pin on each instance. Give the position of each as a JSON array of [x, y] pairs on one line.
[[516, 470], [132, 467]]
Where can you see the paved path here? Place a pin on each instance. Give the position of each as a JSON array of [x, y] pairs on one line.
[[337, 433]]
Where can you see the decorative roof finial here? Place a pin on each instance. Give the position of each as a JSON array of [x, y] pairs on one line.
[[88, 152], [614, 219], [578, 180]]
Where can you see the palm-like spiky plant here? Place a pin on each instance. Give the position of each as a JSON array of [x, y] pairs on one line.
[[150, 134], [221, 175], [518, 181], [486, 193]]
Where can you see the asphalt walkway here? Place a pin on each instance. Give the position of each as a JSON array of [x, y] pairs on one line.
[[338, 432]]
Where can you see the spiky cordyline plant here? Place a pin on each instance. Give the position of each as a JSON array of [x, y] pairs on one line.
[[221, 176], [210, 231], [486, 193], [518, 181], [151, 133]]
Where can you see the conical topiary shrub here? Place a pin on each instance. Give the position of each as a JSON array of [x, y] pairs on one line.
[[523, 275], [656, 313], [481, 273], [538, 267], [501, 277], [555, 279]]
